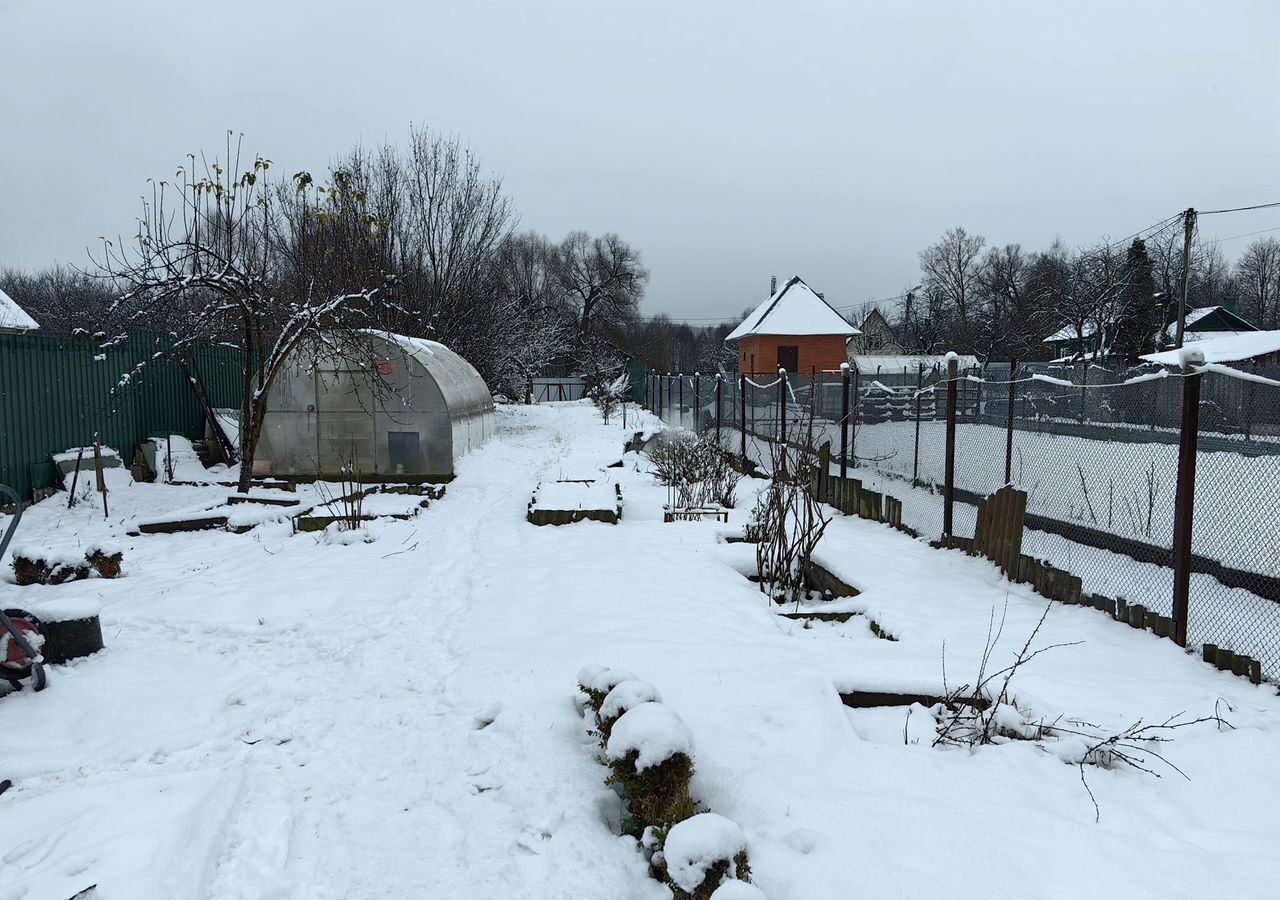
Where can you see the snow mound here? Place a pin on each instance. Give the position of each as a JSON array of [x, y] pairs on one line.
[[653, 731], [699, 842], [626, 695], [69, 609], [53, 557], [738, 890], [105, 547], [588, 673], [606, 680], [176, 454]]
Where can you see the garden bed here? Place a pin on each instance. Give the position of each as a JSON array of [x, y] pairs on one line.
[[565, 502]]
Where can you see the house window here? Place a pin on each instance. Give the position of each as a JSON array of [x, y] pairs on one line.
[[789, 358]]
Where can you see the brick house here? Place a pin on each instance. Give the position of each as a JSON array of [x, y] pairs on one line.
[[795, 329]]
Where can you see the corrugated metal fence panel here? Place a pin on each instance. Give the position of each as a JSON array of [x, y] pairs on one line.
[[56, 393]]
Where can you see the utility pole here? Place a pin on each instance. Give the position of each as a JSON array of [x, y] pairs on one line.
[[1188, 229]]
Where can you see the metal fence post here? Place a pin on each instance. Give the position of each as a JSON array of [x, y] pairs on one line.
[[742, 404], [853, 420], [697, 402], [1184, 499], [1008, 438], [950, 485], [782, 406], [844, 420], [719, 397], [662, 390], [1084, 390], [915, 465], [680, 399], [528, 394]]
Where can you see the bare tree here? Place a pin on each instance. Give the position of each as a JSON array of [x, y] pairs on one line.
[[1211, 282], [1257, 273], [454, 220], [951, 273], [542, 324], [602, 276], [62, 300], [215, 248], [1009, 320]]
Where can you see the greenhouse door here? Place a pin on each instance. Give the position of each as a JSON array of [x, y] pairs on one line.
[[404, 448]]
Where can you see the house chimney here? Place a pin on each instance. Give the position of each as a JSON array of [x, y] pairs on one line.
[[773, 285]]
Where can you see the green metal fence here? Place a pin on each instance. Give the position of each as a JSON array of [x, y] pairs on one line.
[[56, 393]]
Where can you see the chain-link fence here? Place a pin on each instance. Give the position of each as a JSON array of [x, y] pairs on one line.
[[1095, 448]]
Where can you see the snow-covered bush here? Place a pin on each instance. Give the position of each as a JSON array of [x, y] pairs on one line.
[[789, 521], [39, 565], [106, 559], [597, 681], [738, 890], [624, 696], [701, 853], [698, 470], [650, 751]]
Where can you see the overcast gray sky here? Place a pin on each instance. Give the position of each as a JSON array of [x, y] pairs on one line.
[[727, 141]]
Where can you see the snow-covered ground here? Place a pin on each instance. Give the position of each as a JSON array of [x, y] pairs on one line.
[[278, 716]]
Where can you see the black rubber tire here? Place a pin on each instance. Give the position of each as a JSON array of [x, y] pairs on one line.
[[38, 679]]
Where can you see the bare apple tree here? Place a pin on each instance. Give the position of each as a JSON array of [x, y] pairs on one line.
[[215, 252]]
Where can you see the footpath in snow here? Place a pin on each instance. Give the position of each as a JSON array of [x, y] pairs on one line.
[[280, 717]]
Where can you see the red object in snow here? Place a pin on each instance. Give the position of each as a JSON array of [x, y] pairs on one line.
[[12, 656]]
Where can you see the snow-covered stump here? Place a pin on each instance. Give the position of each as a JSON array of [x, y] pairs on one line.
[[71, 630], [650, 751], [703, 853]]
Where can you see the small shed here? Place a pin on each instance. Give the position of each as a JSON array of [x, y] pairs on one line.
[[403, 409], [795, 329]]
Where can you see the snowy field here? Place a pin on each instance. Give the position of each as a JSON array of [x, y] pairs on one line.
[[280, 716]]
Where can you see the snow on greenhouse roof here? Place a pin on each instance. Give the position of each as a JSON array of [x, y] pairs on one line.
[[1222, 349], [462, 387], [14, 316], [795, 309]]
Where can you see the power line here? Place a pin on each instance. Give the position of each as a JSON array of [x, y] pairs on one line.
[[1245, 235], [1210, 212]]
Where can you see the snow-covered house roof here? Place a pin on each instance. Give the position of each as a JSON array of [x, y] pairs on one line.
[[794, 309], [13, 317], [1223, 348], [1068, 333], [1208, 320]]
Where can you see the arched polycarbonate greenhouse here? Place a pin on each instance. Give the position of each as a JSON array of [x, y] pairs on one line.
[[405, 412]]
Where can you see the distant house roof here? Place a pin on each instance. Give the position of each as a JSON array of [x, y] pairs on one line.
[[1223, 348], [877, 337], [1207, 320], [794, 309], [1068, 333], [13, 316]]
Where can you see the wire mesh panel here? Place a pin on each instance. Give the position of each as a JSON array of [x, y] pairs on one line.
[[1235, 581], [1094, 447]]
